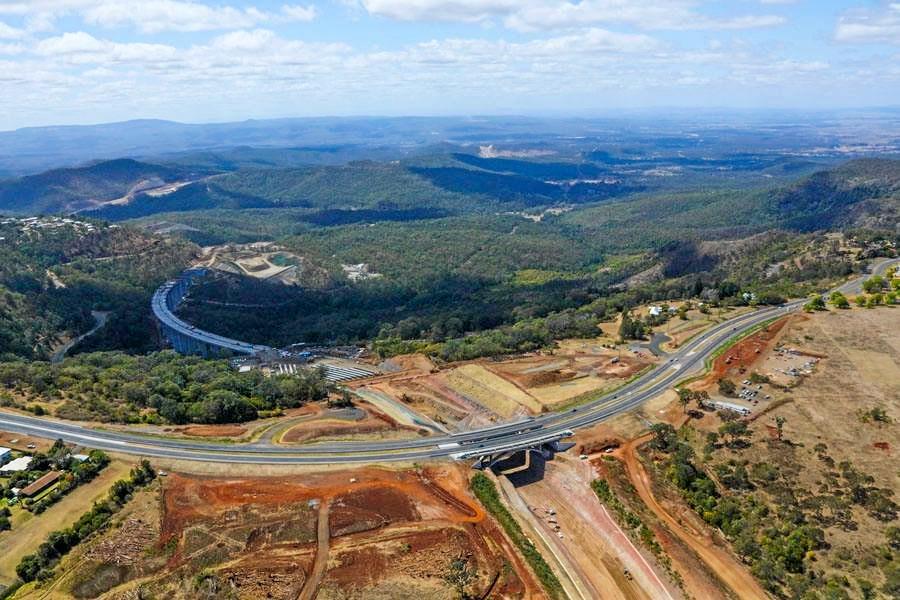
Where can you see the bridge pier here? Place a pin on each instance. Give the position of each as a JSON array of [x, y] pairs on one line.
[[185, 338], [545, 446]]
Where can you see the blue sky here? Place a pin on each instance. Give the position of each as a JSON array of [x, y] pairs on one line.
[[89, 61]]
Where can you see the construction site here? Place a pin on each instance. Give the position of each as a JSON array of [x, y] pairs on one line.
[[360, 533]]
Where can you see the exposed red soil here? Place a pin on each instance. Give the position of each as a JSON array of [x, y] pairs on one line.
[[268, 574], [625, 368], [402, 554], [313, 408], [23, 441], [414, 544], [188, 499], [520, 371], [306, 432], [375, 422], [681, 522], [544, 377], [383, 524], [597, 438], [738, 359], [216, 431], [371, 508], [697, 581], [413, 362]]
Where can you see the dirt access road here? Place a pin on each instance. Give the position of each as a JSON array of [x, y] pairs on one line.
[[323, 540], [729, 570], [100, 318], [589, 542]]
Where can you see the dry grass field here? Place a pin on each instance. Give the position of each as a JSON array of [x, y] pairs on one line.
[[29, 531]]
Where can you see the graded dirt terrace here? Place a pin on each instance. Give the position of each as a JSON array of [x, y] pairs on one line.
[[462, 396], [576, 368], [355, 533], [363, 421]]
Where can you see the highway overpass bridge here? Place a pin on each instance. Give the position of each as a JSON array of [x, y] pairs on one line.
[[188, 339], [487, 457]]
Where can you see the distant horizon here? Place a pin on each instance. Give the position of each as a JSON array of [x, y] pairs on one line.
[[191, 61], [711, 112]]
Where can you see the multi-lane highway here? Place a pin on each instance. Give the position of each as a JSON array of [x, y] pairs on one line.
[[689, 359]]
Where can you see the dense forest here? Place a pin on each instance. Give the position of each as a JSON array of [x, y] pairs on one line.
[[53, 274], [161, 387], [444, 278], [448, 257]]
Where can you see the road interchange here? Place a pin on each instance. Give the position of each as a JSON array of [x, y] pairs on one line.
[[679, 365]]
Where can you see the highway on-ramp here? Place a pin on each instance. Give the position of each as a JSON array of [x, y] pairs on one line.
[[687, 360]]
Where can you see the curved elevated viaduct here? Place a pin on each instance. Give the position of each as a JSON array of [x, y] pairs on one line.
[[481, 444], [184, 337]]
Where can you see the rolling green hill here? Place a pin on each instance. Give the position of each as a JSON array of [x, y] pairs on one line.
[[481, 270], [54, 273], [454, 237], [859, 193], [70, 190]]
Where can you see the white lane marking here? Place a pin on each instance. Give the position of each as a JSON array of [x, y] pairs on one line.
[[70, 435]]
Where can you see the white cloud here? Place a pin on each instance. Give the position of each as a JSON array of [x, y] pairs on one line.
[[171, 15], [9, 49], [10, 33], [302, 14], [153, 16], [470, 11], [670, 14], [537, 15], [83, 48], [869, 26], [251, 70]]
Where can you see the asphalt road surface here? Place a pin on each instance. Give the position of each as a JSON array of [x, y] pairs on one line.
[[687, 360]]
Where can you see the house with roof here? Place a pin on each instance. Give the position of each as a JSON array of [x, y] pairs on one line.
[[38, 486], [16, 466]]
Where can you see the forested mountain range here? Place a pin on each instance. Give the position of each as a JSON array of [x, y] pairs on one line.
[[444, 183], [456, 238], [482, 270], [290, 142], [71, 190]]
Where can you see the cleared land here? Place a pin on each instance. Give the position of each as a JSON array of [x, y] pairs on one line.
[[580, 529], [264, 261], [483, 392], [840, 414], [362, 421], [491, 391], [362, 533], [576, 368]]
